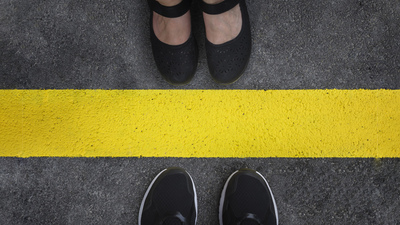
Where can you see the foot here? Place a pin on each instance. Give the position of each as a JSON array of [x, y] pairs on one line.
[[247, 199], [223, 27], [170, 199], [172, 31]]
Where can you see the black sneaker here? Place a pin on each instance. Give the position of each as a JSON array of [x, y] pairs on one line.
[[170, 199], [247, 200]]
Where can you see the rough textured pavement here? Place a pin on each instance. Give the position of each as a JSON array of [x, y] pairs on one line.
[[109, 190], [103, 44]]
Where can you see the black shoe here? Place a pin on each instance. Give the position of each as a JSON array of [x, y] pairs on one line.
[[176, 63], [228, 61], [170, 199], [247, 200]]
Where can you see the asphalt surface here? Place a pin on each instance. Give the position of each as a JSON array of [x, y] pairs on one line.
[[103, 44], [109, 190]]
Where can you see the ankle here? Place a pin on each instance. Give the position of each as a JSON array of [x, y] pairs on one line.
[[212, 1], [172, 31], [169, 2]]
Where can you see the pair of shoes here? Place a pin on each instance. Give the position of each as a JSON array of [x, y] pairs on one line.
[[171, 198], [226, 62]]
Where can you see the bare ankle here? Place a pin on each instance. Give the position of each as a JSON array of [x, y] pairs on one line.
[[213, 1], [169, 2]]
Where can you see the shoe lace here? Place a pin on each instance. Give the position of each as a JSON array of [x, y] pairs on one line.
[[249, 222], [174, 219], [250, 219]]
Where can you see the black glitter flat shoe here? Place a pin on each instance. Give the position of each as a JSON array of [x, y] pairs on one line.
[[176, 63], [227, 61]]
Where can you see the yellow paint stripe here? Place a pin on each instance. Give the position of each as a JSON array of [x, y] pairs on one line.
[[200, 123]]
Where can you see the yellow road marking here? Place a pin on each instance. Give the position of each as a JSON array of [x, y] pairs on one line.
[[200, 123]]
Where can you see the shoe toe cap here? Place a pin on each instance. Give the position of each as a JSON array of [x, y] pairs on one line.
[[177, 64]]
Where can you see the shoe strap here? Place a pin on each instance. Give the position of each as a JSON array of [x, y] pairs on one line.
[[170, 11], [219, 8]]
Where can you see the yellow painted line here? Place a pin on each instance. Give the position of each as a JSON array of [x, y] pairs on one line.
[[200, 123]]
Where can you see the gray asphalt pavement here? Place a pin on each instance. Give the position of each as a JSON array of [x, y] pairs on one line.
[[109, 190], [104, 44]]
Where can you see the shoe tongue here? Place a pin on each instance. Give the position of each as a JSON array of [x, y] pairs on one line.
[[249, 222], [173, 221]]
